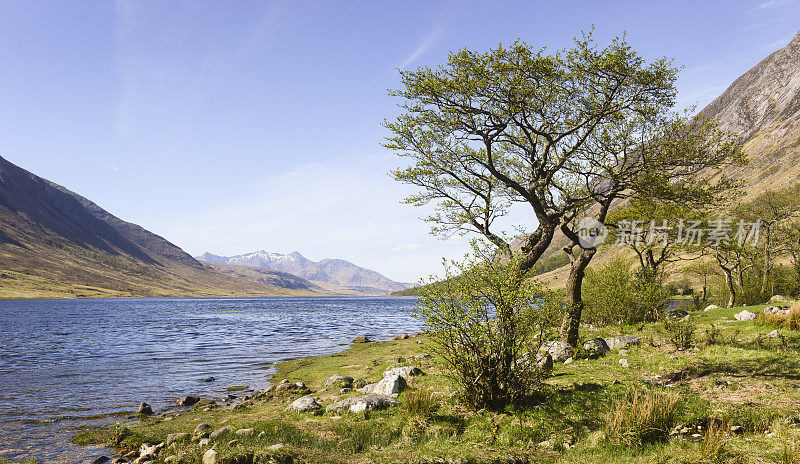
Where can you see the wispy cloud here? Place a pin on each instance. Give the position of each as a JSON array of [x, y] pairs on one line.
[[423, 47], [767, 4], [404, 247]]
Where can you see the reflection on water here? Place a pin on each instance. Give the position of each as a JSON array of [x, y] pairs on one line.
[[65, 364]]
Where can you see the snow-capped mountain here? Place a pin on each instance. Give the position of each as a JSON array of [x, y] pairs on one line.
[[334, 275]]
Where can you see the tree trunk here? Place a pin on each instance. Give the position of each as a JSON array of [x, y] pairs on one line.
[[536, 245], [574, 303], [731, 287]]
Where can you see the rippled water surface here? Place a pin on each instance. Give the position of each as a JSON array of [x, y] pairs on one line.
[[65, 364]]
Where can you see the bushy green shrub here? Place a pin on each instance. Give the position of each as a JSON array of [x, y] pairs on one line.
[[680, 332], [486, 320], [616, 294]]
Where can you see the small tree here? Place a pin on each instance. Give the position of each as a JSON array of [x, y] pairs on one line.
[[487, 322]]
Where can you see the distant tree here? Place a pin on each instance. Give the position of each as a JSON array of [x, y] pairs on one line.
[[509, 126]]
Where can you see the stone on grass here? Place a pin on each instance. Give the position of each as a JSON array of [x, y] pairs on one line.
[[404, 371], [306, 403], [220, 431], [369, 388], [615, 343], [277, 446], [202, 430], [779, 298], [544, 363], [710, 307], [559, 351], [595, 347], [210, 457], [774, 334], [372, 401], [390, 385], [737, 429], [623, 362], [341, 381], [245, 432], [173, 437], [744, 316]]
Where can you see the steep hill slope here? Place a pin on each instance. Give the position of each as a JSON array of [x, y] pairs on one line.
[[55, 243], [334, 275]]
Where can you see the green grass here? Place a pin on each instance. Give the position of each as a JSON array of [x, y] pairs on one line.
[[587, 411]]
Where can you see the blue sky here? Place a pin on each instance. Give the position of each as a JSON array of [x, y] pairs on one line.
[[231, 127]]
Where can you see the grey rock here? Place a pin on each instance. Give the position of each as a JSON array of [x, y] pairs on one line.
[[245, 432], [559, 351], [544, 363], [339, 381], [710, 307], [173, 437], [306, 403], [596, 347], [372, 401], [202, 430], [210, 457], [737, 429], [403, 371], [145, 409], [744, 316], [774, 334], [623, 362], [101, 460], [369, 388], [390, 385], [359, 383], [277, 446], [615, 343], [220, 431], [188, 400]]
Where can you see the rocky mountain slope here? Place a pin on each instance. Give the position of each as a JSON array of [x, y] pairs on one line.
[[56, 243], [334, 275]]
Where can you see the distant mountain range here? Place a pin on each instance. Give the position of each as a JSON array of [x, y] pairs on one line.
[[56, 243], [333, 275]]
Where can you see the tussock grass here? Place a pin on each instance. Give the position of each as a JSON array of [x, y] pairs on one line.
[[642, 417]]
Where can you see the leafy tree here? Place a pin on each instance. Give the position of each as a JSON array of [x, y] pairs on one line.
[[489, 130]]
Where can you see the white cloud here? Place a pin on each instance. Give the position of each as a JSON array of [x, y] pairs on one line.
[[426, 44]]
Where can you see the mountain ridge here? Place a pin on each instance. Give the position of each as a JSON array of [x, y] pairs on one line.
[[336, 275]]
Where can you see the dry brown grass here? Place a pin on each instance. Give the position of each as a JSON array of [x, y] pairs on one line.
[[642, 417]]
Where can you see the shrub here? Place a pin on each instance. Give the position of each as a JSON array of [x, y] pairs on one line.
[[680, 332], [641, 417], [485, 319], [615, 294]]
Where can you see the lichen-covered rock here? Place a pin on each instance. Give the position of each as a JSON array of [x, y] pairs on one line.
[[559, 351], [744, 316], [372, 401], [390, 385], [615, 343], [595, 347], [403, 371], [341, 381], [306, 403]]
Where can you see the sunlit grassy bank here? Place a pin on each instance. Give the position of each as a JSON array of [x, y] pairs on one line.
[[733, 397]]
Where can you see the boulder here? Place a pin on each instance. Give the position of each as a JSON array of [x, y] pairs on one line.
[[559, 351], [404, 371], [710, 307], [677, 314], [202, 430], [369, 388], [544, 363], [361, 339], [173, 437], [390, 385], [774, 334], [359, 383], [339, 381], [744, 316], [402, 337], [615, 343], [372, 401], [210, 457], [188, 400], [220, 431], [286, 385], [101, 460], [777, 310], [149, 450], [595, 347], [306, 403], [145, 409], [776, 298], [737, 429]]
